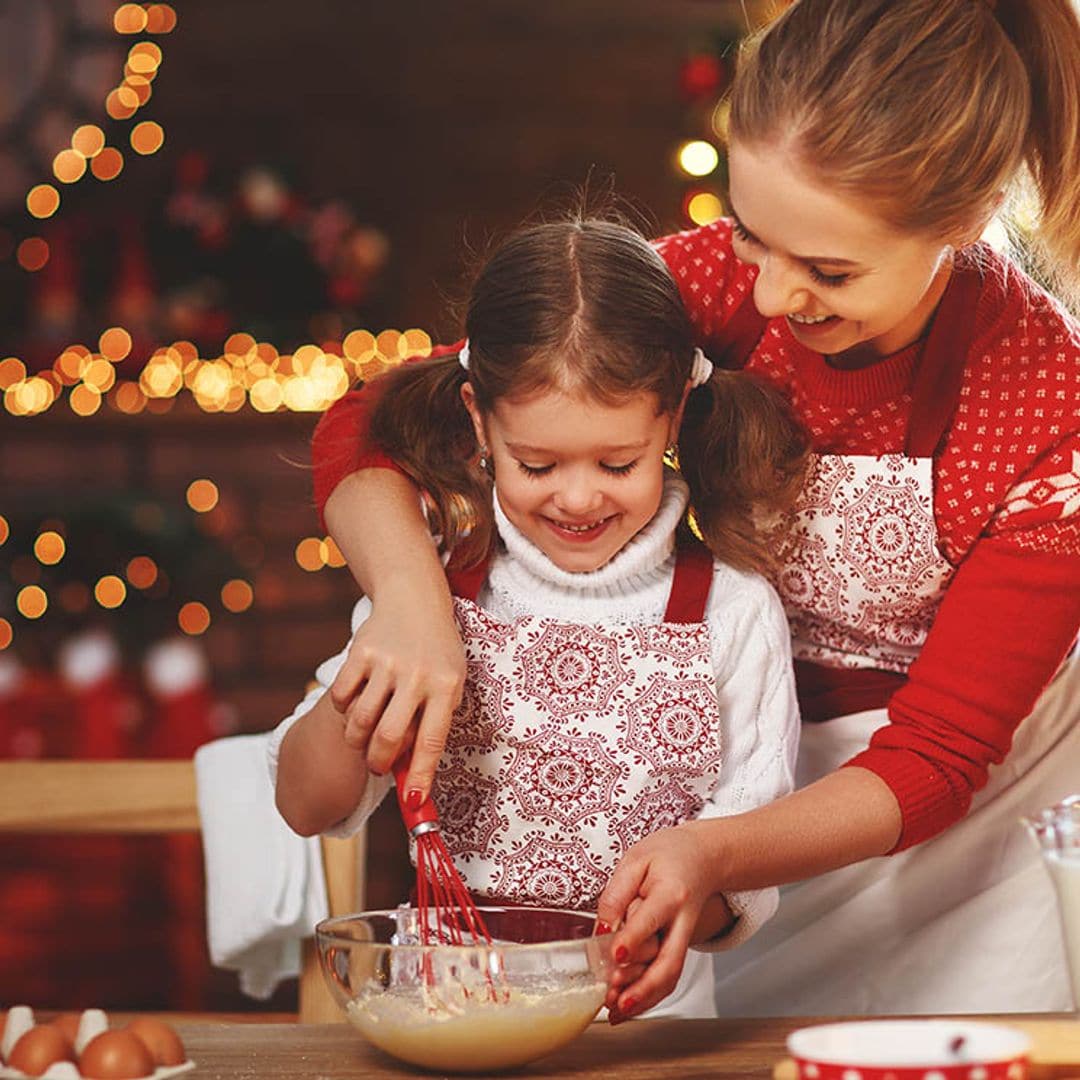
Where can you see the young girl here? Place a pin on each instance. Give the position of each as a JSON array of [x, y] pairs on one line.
[[620, 681], [933, 576]]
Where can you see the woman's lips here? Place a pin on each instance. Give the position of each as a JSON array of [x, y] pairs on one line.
[[813, 328]]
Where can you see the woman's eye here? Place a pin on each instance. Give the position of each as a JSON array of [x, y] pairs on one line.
[[832, 280], [742, 232], [619, 470], [534, 470]]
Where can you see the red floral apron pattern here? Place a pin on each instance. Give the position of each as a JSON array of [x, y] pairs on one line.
[[571, 743], [862, 575]]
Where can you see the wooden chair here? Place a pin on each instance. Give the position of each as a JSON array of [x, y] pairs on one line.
[[141, 797]]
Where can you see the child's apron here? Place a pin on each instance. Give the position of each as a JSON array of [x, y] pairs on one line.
[[966, 921], [572, 742]]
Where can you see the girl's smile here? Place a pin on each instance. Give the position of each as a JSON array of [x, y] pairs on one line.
[[578, 477]]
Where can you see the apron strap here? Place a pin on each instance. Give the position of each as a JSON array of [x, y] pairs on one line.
[[465, 584], [691, 584], [940, 374]]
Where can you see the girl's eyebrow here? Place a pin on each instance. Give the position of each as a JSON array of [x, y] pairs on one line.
[[808, 259], [521, 448]]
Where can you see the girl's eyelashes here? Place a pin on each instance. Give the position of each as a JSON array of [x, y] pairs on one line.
[[536, 471], [832, 280]]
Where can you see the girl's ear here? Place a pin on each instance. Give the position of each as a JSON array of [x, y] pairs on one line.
[[468, 396]]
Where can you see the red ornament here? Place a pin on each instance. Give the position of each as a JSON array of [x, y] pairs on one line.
[[701, 76]]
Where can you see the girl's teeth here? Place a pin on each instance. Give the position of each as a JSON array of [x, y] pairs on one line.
[[809, 319]]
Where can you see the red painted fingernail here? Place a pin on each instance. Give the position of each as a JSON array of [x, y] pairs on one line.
[[622, 953], [602, 927], [414, 799], [628, 1006]]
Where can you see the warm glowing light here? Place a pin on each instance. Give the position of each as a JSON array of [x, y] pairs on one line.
[[49, 548], [144, 57], [698, 158], [115, 343], [202, 495], [107, 165], [68, 166], [122, 103], [160, 19], [88, 140], [332, 554], [130, 19], [237, 595], [239, 346], [5, 529], [30, 397], [31, 602], [129, 398], [309, 553], [142, 571], [147, 137], [359, 346], [99, 375], [7, 635], [72, 363], [417, 343], [140, 86], [266, 395], [84, 400], [193, 618], [110, 591], [704, 207], [32, 254], [12, 371], [43, 200]]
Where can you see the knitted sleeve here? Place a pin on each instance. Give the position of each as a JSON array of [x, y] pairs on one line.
[[759, 716]]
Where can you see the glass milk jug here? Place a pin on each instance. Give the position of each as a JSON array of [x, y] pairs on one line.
[[1056, 831]]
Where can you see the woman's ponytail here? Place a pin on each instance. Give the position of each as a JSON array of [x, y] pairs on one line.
[[421, 422], [744, 457]]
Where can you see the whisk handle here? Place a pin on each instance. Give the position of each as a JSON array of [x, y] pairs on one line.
[[425, 813]]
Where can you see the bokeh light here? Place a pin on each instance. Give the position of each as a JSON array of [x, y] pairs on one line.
[[309, 554], [108, 164], [130, 19], [142, 571], [115, 343], [193, 618], [7, 635], [31, 602], [69, 166], [49, 547], [704, 207], [237, 595], [110, 591], [42, 200], [202, 495], [698, 158], [147, 137], [32, 254], [88, 140]]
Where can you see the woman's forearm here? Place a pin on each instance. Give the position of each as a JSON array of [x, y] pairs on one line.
[[375, 518], [320, 778], [844, 817]]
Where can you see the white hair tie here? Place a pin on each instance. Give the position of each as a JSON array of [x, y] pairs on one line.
[[463, 355], [701, 370]]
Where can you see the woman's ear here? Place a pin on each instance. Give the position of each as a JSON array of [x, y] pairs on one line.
[[468, 396]]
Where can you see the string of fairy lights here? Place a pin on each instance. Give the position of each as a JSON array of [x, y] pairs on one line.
[[247, 373]]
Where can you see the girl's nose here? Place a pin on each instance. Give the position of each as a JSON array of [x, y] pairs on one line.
[[579, 494], [779, 289]]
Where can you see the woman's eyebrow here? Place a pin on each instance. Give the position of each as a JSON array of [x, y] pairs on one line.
[[808, 259]]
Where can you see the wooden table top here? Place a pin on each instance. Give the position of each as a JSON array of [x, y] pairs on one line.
[[646, 1048]]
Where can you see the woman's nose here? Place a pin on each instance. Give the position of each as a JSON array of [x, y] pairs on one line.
[[779, 289]]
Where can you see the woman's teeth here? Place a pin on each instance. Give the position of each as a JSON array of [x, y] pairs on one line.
[[809, 320]]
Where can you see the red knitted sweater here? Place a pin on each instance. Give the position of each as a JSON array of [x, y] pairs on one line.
[[1006, 503]]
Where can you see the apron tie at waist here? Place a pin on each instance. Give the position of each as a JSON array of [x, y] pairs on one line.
[[828, 692]]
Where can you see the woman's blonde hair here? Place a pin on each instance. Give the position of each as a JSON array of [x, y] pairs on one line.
[[588, 307], [931, 109]]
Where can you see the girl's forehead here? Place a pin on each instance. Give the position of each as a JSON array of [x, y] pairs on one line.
[[549, 412]]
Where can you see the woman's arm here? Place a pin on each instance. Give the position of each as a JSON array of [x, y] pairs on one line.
[[406, 662]]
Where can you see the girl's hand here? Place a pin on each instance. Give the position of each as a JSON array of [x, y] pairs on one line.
[[658, 893], [400, 684]]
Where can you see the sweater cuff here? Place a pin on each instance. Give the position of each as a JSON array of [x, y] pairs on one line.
[[752, 910], [928, 805]]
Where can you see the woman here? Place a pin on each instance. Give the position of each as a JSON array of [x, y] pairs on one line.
[[933, 578]]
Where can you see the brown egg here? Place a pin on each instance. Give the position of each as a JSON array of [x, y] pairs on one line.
[[115, 1055], [38, 1048], [161, 1040], [68, 1023]]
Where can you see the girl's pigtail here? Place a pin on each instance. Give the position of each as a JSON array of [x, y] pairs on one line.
[[421, 422], [744, 457]]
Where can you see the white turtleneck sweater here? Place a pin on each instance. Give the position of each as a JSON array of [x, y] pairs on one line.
[[750, 646]]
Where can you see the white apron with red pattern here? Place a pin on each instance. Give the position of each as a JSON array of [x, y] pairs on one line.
[[572, 742], [966, 922]]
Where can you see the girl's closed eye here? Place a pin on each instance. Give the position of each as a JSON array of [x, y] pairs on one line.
[[620, 470], [534, 471]]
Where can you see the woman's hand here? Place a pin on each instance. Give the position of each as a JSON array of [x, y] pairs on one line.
[[405, 670], [400, 684], [663, 898]]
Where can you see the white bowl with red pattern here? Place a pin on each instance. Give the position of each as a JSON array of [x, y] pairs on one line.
[[910, 1050]]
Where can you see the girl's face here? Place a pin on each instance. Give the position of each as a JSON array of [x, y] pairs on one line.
[[578, 477], [838, 274]]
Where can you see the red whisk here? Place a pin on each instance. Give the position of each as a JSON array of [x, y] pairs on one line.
[[445, 910]]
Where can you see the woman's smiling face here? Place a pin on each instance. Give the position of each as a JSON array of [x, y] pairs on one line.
[[839, 274]]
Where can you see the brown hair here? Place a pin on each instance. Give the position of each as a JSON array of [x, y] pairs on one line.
[[587, 307], [929, 108]]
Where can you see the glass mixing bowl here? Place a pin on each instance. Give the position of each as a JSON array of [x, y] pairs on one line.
[[467, 1008]]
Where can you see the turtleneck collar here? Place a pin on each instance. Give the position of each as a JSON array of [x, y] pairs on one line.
[[640, 561]]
